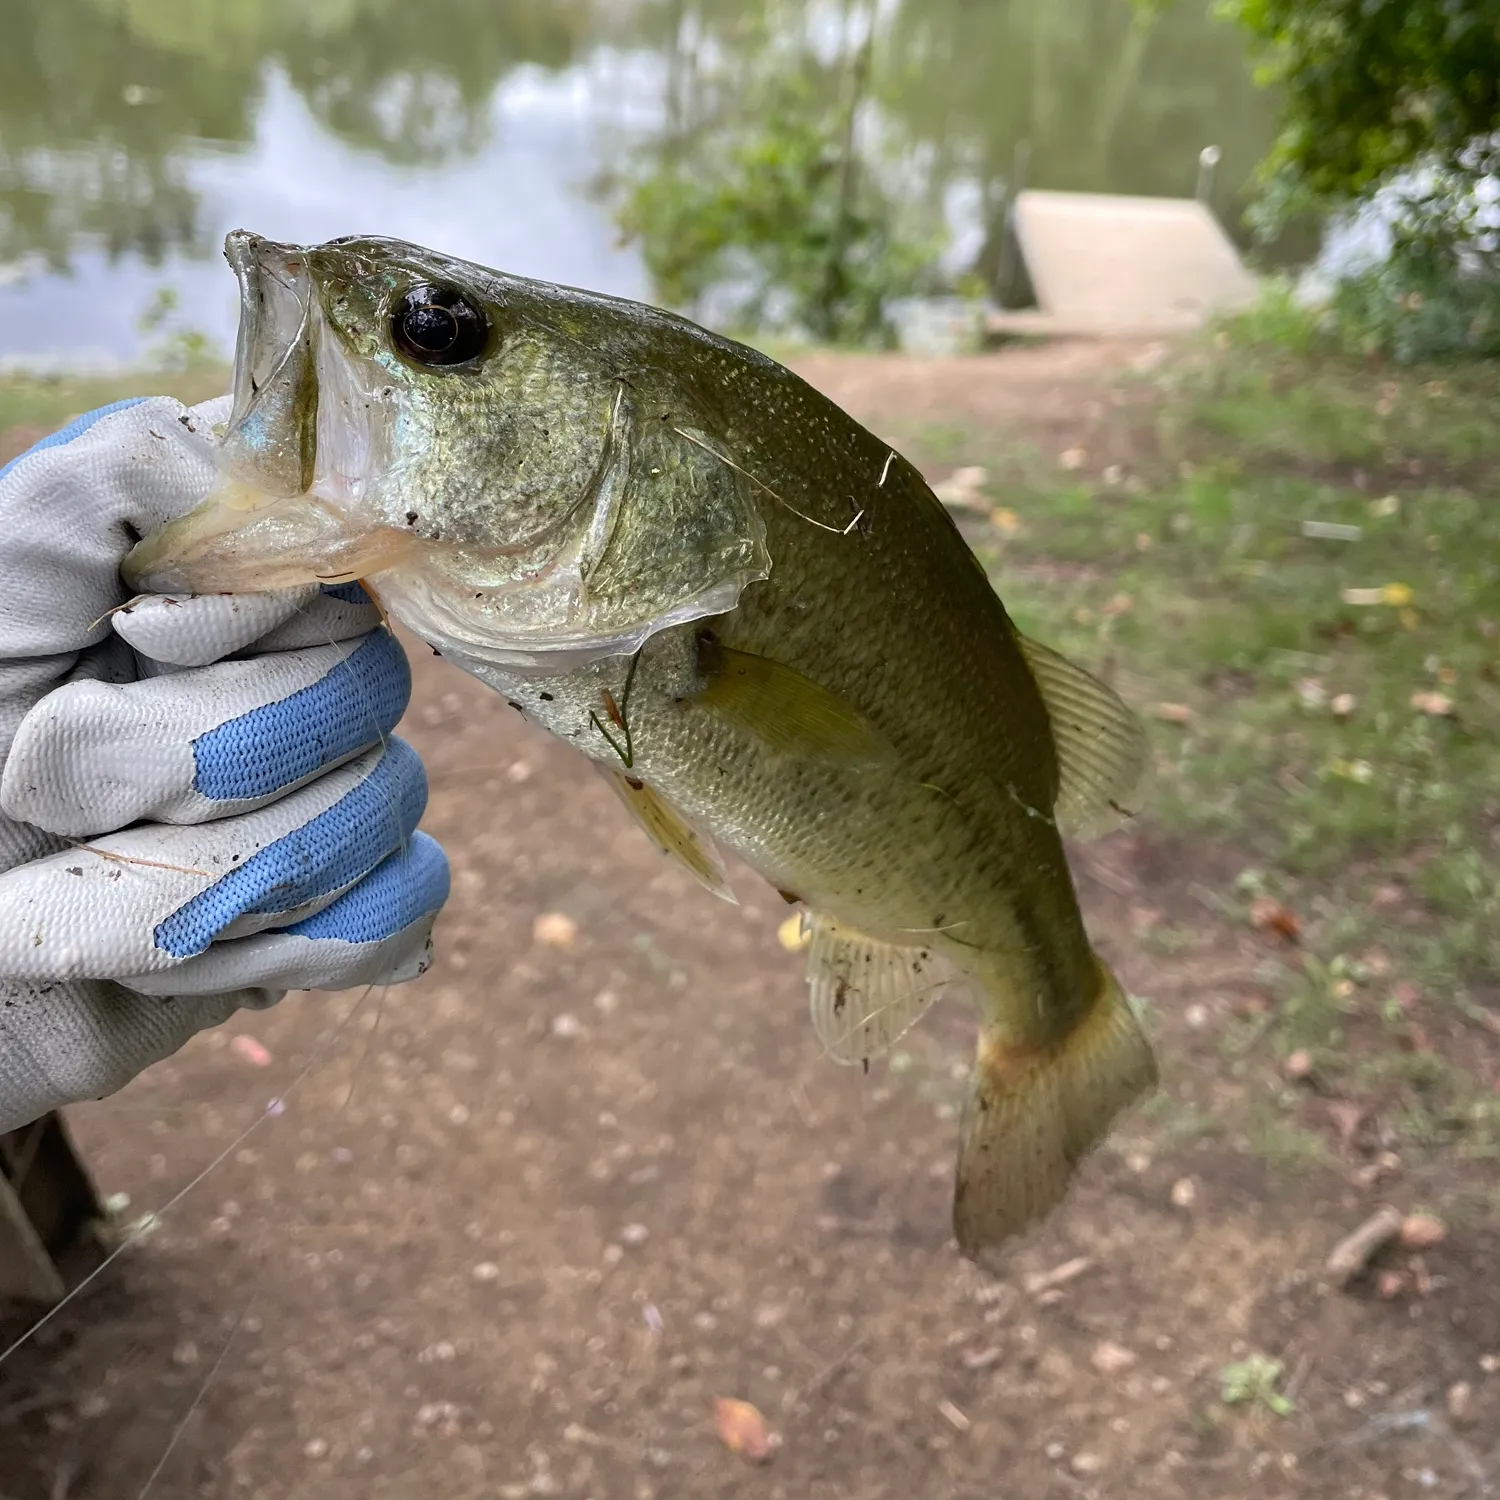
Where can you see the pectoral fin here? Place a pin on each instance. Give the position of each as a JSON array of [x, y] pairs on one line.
[[790, 712], [866, 994], [672, 834], [1102, 751]]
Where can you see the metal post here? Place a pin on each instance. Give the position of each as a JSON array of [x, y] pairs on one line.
[[1208, 159]]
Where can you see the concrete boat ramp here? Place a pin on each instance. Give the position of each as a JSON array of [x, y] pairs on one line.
[[1104, 264]]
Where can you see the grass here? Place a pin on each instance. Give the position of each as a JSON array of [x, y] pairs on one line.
[[1335, 693], [47, 402]]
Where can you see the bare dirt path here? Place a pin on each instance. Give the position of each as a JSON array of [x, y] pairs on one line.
[[523, 1221]]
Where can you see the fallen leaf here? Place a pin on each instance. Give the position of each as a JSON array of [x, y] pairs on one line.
[[1267, 914], [791, 936], [1394, 595], [1347, 1117], [554, 930], [247, 1049], [742, 1429], [960, 490], [1005, 520], [1438, 705], [1172, 713]]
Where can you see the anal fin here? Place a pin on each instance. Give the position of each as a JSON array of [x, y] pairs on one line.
[[672, 834], [865, 994]]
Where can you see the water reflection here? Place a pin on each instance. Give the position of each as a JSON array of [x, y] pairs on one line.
[[134, 133]]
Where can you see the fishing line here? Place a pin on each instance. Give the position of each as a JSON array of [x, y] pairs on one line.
[[761, 484], [197, 1400], [148, 1221]]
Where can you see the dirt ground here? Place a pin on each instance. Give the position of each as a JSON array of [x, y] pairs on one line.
[[516, 1226]]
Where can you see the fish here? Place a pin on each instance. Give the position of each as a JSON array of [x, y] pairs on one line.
[[748, 610]]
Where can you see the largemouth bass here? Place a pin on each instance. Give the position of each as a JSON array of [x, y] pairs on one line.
[[678, 557]]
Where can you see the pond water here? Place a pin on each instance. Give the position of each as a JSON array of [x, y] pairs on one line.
[[135, 133]]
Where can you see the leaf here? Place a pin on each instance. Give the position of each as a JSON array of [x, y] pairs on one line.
[[1347, 1118], [1172, 713], [1437, 705], [1267, 914], [742, 1429], [961, 489]]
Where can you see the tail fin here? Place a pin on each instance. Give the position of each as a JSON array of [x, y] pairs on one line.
[[1031, 1118]]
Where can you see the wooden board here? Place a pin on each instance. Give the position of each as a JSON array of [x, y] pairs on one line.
[[1111, 264]]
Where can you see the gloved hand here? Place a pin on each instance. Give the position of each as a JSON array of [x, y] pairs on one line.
[[181, 834]]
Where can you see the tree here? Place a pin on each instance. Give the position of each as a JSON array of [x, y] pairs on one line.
[[1369, 87]]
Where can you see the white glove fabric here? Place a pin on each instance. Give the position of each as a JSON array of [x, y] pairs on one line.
[[181, 834]]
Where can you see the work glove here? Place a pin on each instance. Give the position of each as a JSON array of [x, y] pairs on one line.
[[201, 803]]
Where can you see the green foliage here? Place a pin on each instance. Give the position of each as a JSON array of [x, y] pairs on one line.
[[1371, 86], [1253, 1381], [772, 207], [175, 347], [1395, 103], [1438, 291]]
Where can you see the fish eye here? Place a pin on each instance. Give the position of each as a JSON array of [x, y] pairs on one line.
[[438, 325]]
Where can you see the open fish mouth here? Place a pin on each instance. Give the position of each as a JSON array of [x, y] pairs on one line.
[[277, 518], [272, 438]]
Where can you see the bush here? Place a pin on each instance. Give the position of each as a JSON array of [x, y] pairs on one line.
[[770, 213], [1390, 123]]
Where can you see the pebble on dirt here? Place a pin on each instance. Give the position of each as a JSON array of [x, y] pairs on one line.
[[247, 1049], [1422, 1231], [554, 929], [1110, 1358], [742, 1429]]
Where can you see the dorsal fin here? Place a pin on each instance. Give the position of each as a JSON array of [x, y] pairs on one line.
[[865, 994], [1102, 750], [672, 834]]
